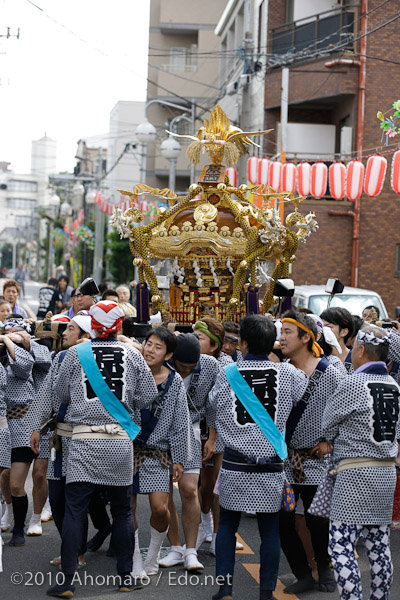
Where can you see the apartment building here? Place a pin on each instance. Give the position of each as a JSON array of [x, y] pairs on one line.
[[183, 79], [338, 55]]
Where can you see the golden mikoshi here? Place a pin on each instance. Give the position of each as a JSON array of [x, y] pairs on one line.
[[222, 245]]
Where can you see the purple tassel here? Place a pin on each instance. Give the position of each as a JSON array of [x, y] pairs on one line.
[[252, 305], [142, 303], [287, 304]]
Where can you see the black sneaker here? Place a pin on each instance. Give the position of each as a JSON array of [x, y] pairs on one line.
[[63, 590], [18, 538], [130, 584], [301, 585], [326, 579]]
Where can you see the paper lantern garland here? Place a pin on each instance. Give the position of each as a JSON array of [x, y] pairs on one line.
[[337, 180], [375, 175]]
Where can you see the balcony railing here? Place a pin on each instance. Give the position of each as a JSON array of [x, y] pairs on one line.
[[317, 34]]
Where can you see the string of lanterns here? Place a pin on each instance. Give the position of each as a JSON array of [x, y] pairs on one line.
[[149, 209], [313, 179]]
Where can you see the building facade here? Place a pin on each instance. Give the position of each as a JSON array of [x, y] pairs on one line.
[[183, 79], [340, 75]]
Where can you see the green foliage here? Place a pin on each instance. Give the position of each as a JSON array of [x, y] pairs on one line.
[[119, 258]]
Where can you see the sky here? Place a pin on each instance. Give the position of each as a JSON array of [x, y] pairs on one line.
[[74, 60]]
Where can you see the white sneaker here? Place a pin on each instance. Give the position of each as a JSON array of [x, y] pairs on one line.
[[7, 518], [190, 560], [34, 528], [201, 536], [173, 558], [46, 512], [239, 546]]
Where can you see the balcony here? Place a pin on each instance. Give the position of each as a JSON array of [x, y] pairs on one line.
[[317, 35]]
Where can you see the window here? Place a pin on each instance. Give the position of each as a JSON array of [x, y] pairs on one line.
[[21, 203], [22, 221], [177, 59], [22, 186], [182, 59]]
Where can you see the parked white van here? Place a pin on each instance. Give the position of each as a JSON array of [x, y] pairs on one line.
[[355, 300]]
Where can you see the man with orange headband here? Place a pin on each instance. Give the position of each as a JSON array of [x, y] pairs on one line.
[[104, 381], [306, 464]]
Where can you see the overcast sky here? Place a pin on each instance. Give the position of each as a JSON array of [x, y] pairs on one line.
[[73, 61]]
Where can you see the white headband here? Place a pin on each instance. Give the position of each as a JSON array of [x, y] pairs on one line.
[[367, 337], [85, 323]]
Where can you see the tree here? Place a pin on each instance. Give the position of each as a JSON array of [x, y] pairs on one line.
[[119, 258]]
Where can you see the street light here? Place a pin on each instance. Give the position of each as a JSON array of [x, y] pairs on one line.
[[51, 209], [66, 210], [170, 149], [145, 133]]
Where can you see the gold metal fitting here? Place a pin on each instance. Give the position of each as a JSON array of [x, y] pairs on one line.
[[137, 262], [193, 187], [162, 210], [156, 298], [243, 188], [243, 264], [221, 186], [233, 301]]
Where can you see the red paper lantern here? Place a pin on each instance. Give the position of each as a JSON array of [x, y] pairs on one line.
[[288, 178], [304, 178], [337, 180], [354, 179], [231, 173], [275, 175], [252, 170], [375, 175], [263, 171], [395, 177], [319, 179]]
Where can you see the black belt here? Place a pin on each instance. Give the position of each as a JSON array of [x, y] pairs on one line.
[[236, 461]]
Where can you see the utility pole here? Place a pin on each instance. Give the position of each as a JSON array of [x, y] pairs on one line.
[[245, 117], [284, 125], [99, 225]]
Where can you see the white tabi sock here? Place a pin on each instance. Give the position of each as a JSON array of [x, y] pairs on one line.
[[8, 510], [35, 519], [137, 565], [151, 564], [207, 521]]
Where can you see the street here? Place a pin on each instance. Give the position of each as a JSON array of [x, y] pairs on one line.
[[27, 572]]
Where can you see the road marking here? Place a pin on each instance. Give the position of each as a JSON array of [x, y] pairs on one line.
[[254, 570], [246, 548]]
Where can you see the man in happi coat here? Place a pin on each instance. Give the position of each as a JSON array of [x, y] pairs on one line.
[[101, 449], [252, 474], [362, 423]]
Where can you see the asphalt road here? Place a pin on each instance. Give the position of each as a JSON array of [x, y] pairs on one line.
[[27, 572]]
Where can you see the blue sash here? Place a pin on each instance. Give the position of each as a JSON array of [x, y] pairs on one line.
[[256, 410], [108, 399]]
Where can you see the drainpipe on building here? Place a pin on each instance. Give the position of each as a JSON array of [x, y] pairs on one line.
[[355, 213], [360, 134]]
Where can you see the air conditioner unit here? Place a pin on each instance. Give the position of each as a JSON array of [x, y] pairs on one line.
[[232, 88]]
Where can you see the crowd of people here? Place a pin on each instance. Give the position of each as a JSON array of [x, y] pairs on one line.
[[231, 413]]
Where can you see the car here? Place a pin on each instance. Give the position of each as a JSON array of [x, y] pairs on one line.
[[315, 298]]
